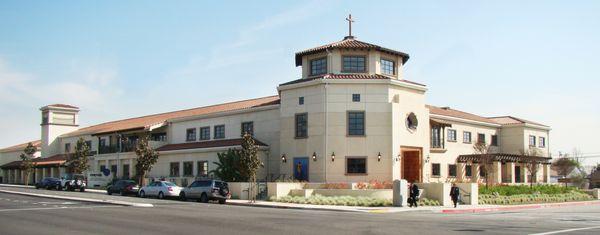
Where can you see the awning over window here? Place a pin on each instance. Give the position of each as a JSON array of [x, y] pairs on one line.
[[502, 157], [439, 122]]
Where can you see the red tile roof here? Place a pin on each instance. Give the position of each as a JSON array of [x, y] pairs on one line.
[[206, 144], [21, 147], [146, 121], [349, 43], [445, 111], [347, 76], [57, 159], [510, 120]]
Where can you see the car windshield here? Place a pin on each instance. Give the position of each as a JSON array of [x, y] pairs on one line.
[[170, 184]]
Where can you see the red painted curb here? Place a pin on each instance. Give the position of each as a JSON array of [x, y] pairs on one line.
[[520, 207]]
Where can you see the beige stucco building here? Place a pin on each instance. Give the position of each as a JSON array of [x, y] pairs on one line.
[[351, 117]]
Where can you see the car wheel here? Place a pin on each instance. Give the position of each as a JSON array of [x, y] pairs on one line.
[[182, 196], [142, 193], [222, 201], [204, 198], [108, 192], [161, 195]]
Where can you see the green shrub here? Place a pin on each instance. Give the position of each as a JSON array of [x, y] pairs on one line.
[[509, 190], [574, 195]]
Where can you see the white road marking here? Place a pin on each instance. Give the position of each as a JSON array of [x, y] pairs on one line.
[[566, 230], [53, 208]]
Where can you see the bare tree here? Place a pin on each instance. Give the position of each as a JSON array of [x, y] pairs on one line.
[[532, 163], [486, 160], [27, 161]]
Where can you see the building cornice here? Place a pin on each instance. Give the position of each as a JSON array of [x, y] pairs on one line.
[[222, 114], [314, 82], [449, 118]]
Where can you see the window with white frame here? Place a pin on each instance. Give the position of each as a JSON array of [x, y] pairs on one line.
[[190, 134], [220, 132], [532, 140], [451, 135], [466, 137], [388, 67], [542, 143]]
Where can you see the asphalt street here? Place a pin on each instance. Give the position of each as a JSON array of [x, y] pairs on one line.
[[31, 215]]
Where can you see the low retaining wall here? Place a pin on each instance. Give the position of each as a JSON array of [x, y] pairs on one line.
[[437, 191], [469, 193], [595, 193], [279, 189], [373, 193], [240, 190]]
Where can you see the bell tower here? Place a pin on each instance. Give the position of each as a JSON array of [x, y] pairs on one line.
[[57, 119]]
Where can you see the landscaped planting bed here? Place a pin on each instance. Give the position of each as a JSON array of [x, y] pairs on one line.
[[524, 194], [346, 201]]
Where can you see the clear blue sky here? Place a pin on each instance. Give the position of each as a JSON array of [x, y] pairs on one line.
[[117, 59]]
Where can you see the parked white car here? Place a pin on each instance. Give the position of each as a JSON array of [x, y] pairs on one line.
[[160, 189]]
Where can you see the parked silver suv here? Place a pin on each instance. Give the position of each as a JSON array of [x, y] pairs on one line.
[[205, 190]]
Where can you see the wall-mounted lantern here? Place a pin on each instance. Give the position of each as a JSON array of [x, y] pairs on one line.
[[398, 157], [333, 156], [314, 156], [427, 159], [379, 157], [283, 158]]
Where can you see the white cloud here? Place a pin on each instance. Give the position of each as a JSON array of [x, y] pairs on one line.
[[91, 86]]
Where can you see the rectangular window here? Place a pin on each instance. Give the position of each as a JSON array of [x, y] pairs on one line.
[[435, 169], [67, 147], [388, 67], [205, 133], [468, 170], [481, 171], [542, 142], [354, 64], [532, 141], [451, 135], [494, 140], [355, 97], [248, 127], [452, 170], [301, 125], [481, 138], [159, 137], [89, 144], [466, 137], [174, 169], [356, 123], [318, 66], [220, 132], [188, 168], [436, 137], [113, 170], [356, 165], [102, 142], [202, 169], [102, 168], [301, 100], [190, 134]]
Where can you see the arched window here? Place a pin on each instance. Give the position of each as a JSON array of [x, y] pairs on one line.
[[411, 121]]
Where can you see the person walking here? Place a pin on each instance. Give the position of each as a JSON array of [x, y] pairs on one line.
[[454, 194], [413, 195]]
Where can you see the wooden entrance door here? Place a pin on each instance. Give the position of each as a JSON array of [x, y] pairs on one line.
[[411, 166]]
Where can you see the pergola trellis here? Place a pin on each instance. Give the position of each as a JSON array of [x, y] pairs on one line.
[[502, 157]]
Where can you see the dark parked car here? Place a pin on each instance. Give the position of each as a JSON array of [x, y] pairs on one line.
[[48, 183], [123, 187]]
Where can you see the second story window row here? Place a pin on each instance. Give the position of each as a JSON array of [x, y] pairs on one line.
[[354, 64], [318, 66]]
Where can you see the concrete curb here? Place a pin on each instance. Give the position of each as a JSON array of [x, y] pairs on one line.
[[373, 210], [113, 202], [519, 207]]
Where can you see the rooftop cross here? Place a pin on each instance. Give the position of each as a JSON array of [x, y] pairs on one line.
[[350, 20]]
